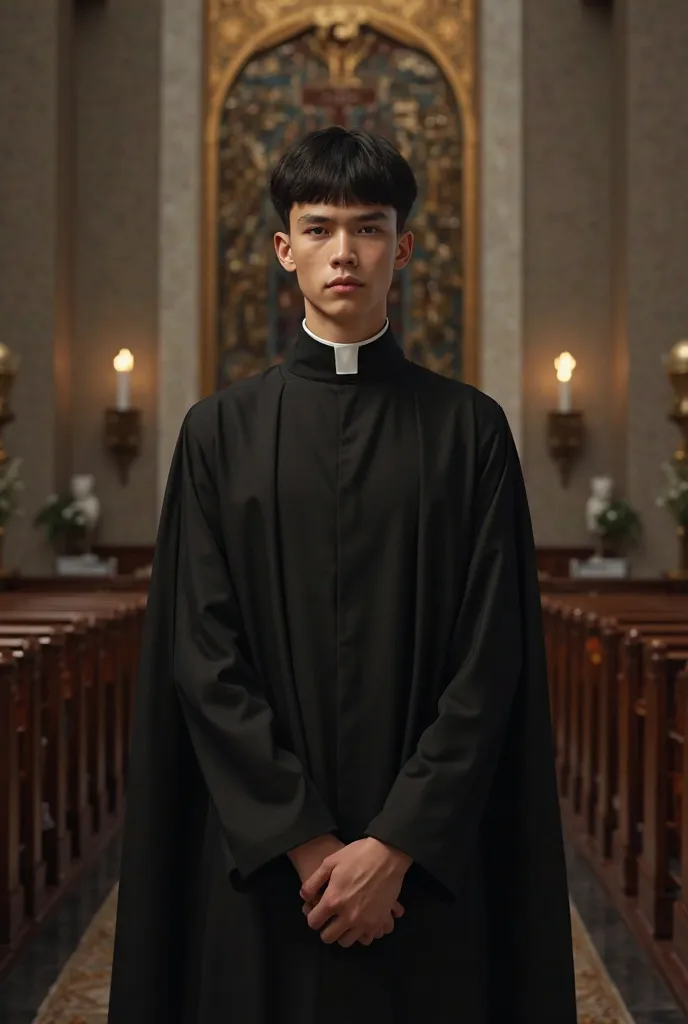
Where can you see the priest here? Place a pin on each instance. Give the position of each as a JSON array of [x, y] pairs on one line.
[[342, 805]]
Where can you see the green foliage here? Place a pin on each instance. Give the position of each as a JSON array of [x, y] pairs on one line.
[[674, 495], [619, 523], [65, 525]]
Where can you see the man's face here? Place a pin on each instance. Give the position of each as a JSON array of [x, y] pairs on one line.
[[344, 258]]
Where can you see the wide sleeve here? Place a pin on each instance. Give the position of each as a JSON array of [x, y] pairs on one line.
[[434, 809], [264, 799]]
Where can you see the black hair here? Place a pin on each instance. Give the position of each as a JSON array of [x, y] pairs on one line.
[[344, 167]]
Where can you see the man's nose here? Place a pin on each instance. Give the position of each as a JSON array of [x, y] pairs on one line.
[[343, 252]]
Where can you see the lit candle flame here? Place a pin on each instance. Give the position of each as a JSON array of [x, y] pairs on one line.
[[123, 361], [564, 364]]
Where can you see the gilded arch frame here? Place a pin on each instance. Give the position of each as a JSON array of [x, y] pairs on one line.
[[235, 30]]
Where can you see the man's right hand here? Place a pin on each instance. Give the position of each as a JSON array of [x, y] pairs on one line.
[[308, 857]]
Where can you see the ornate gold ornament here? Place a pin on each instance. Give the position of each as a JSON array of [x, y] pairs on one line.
[[236, 30], [338, 42]]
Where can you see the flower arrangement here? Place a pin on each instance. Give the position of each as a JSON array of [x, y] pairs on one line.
[[674, 495], [64, 523], [10, 488], [618, 524]]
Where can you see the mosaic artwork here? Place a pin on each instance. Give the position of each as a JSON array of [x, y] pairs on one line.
[[309, 82], [80, 996]]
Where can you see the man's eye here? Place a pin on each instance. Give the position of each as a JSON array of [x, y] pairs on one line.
[[311, 231], [370, 227]]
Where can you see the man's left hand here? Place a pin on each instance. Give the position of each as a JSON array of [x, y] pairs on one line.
[[363, 882]]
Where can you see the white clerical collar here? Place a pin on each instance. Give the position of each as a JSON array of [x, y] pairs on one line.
[[346, 355]]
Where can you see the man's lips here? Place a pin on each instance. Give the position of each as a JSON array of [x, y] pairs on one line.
[[345, 284]]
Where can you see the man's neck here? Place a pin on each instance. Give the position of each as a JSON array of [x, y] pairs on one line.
[[343, 333]]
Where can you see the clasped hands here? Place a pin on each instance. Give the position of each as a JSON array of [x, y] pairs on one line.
[[361, 883]]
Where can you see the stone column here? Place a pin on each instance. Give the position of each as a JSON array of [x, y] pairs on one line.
[[35, 226], [650, 244], [501, 206], [179, 286]]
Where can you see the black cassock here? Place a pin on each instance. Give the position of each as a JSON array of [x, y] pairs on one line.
[[343, 635]]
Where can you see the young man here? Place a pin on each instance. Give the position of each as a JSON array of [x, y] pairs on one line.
[[342, 806]]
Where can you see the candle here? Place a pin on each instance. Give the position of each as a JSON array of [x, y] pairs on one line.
[[564, 364], [124, 364]]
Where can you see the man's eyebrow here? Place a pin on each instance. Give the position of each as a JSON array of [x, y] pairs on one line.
[[312, 218], [373, 215], [317, 218]]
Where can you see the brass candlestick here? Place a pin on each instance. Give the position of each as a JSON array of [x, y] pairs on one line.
[[9, 364], [676, 365]]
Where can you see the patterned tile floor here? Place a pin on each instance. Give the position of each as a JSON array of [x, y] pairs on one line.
[[63, 975]]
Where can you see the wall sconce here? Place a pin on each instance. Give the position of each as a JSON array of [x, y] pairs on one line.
[[123, 424], [9, 364], [564, 425], [676, 366]]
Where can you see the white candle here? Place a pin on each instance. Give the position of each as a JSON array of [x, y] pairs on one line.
[[564, 395], [124, 364], [564, 364]]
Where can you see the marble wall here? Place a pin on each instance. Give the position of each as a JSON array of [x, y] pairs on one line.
[[567, 77], [35, 280], [650, 283], [605, 237], [79, 142], [116, 80]]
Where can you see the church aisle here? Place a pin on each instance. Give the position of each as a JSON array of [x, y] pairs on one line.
[[77, 992]]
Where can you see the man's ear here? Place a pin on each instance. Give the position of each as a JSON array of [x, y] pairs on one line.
[[283, 251], [404, 250]]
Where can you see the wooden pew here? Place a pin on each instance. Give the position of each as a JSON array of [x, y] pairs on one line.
[[572, 647], [56, 643], [79, 679], [680, 906], [657, 885], [124, 611], [12, 911], [28, 707], [108, 630], [616, 805], [68, 663], [600, 714], [619, 697]]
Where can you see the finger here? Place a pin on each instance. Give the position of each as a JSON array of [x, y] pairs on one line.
[[397, 909], [334, 931], [321, 914], [367, 940], [312, 886], [308, 905], [349, 937]]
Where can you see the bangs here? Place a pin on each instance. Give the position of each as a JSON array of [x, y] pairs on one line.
[[343, 168], [344, 179]]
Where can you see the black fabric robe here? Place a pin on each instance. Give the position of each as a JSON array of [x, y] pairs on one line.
[[343, 635]]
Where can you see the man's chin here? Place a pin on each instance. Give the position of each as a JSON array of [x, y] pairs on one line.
[[343, 310], [345, 307]]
